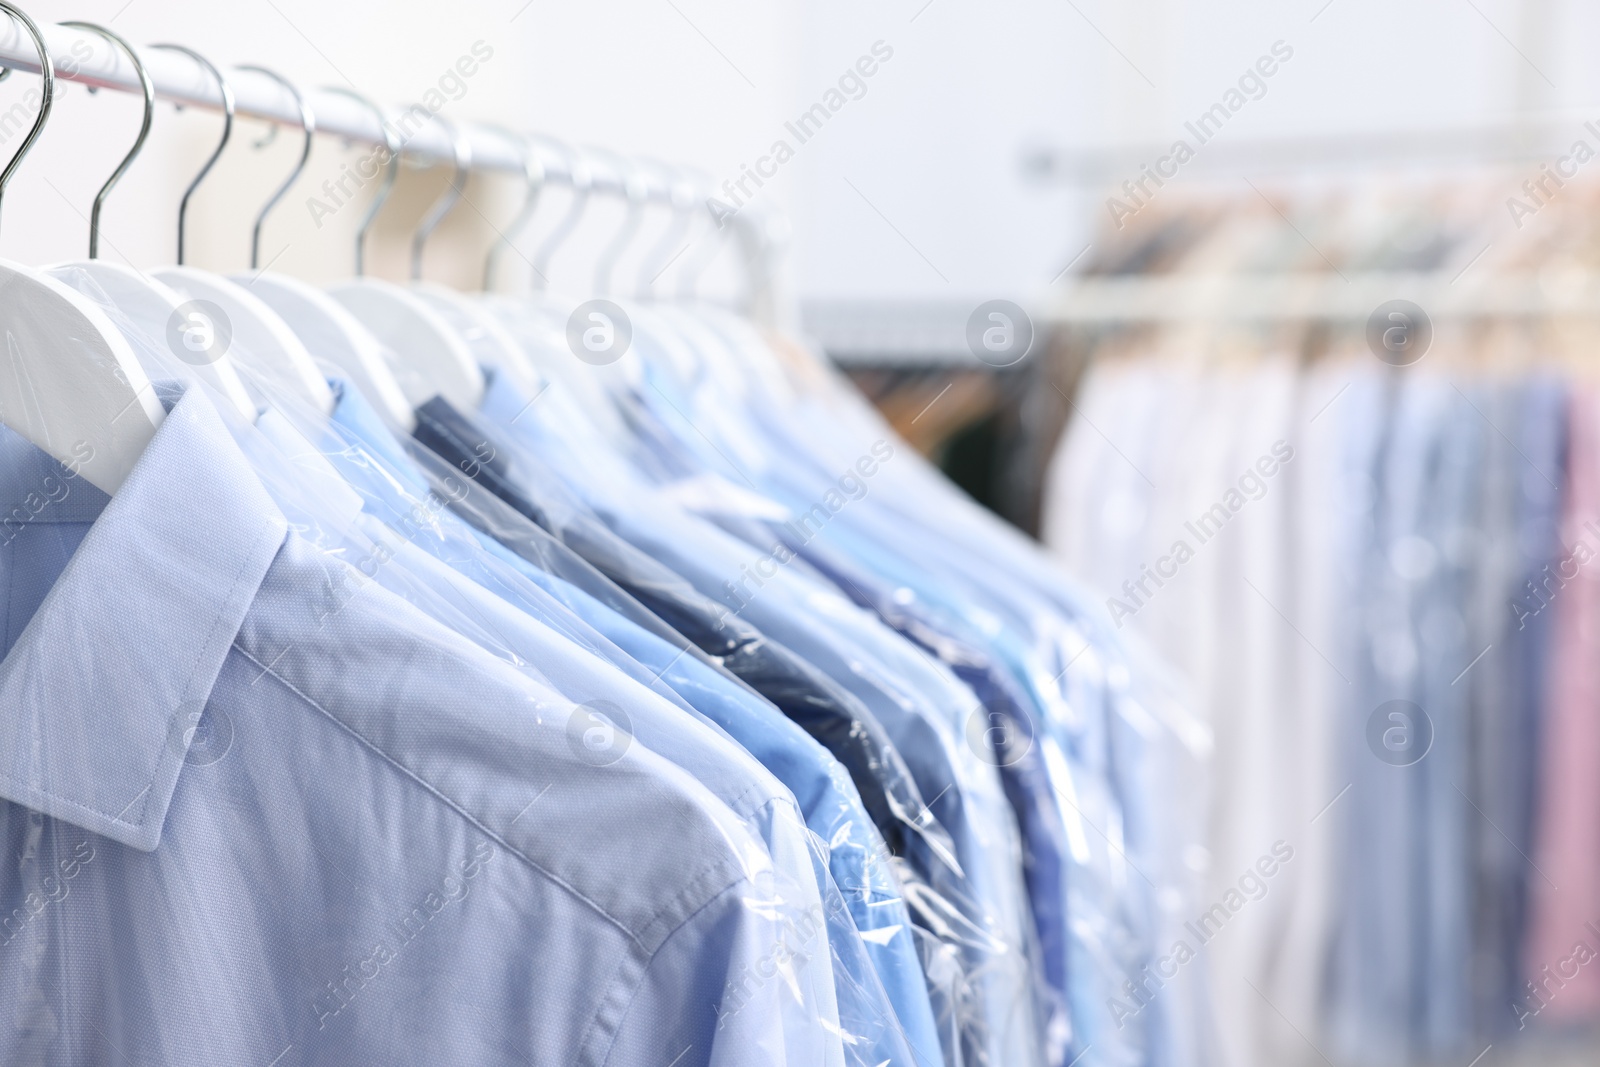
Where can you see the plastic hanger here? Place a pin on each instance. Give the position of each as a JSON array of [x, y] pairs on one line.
[[421, 338], [163, 315], [327, 328], [261, 339], [334, 333], [72, 385], [490, 343], [152, 308]]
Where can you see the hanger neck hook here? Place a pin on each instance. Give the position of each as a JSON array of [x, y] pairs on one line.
[[227, 131], [48, 74], [760, 235], [391, 170], [149, 89], [533, 174], [581, 178], [689, 275], [680, 194], [462, 149], [308, 124], [636, 190]]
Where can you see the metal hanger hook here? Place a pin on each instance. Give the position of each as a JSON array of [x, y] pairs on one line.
[[667, 250], [47, 74], [227, 131], [308, 123], [391, 170], [149, 88], [582, 180], [761, 234], [462, 148], [689, 275], [636, 190], [532, 173]]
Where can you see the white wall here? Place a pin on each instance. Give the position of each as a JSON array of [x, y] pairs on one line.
[[937, 147]]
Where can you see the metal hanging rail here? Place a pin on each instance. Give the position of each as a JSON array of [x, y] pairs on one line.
[[179, 79], [1265, 298], [1528, 139]]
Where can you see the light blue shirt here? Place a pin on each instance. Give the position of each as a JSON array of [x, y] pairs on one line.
[[917, 701], [877, 970], [1092, 725], [1100, 749], [265, 812]]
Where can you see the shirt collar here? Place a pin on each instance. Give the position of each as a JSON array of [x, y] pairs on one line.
[[103, 690]]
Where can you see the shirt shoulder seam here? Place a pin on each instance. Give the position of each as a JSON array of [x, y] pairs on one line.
[[648, 961]]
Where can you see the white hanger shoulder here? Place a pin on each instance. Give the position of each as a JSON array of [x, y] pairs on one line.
[[491, 343], [261, 340], [421, 337], [71, 384], [332, 333], [154, 310]]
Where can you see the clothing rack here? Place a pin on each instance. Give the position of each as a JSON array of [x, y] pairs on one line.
[[909, 335], [891, 334], [1504, 142], [1104, 301], [179, 79]]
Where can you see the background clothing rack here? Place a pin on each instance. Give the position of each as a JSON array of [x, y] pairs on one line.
[[1459, 294], [1505, 142], [908, 336], [928, 335]]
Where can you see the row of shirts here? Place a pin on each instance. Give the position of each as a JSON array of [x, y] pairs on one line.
[[686, 732], [1360, 569]]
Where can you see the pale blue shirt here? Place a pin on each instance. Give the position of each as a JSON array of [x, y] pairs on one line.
[[252, 817], [864, 896]]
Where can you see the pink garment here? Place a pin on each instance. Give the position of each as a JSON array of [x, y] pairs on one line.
[[1567, 828]]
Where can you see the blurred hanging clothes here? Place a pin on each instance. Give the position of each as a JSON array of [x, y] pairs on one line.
[[1564, 900], [1391, 642]]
